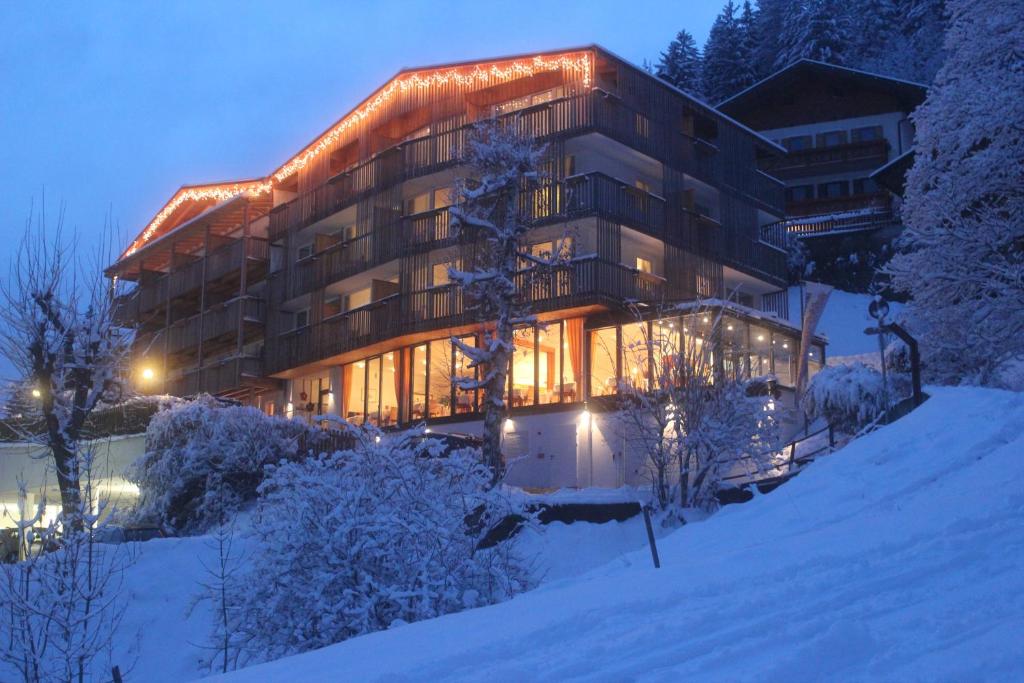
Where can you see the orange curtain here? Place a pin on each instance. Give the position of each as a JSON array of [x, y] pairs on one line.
[[574, 336]]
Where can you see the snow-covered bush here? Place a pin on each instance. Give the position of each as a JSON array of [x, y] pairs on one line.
[[371, 538], [204, 459], [846, 396]]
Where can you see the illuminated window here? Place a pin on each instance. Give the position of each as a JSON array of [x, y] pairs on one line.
[[760, 351], [442, 197], [354, 381], [465, 399], [603, 361], [524, 368], [418, 382], [439, 274], [784, 358], [644, 265], [635, 355], [439, 381], [550, 352]]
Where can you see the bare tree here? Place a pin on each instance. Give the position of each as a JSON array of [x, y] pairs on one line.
[[492, 213], [57, 329]]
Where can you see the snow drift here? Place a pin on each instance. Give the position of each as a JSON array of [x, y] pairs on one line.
[[898, 557]]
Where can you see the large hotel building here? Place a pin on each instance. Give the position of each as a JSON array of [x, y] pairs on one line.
[[322, 288]]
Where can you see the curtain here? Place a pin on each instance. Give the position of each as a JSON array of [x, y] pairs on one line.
[[574, 336]]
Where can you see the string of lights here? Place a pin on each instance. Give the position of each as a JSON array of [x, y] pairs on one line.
[[577, 62]]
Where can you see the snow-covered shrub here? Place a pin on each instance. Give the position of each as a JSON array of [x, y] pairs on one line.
[[846, 396], [371, 538], [204, 459]]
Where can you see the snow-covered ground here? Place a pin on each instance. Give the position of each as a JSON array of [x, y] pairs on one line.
[[900, 557], [845, 318]]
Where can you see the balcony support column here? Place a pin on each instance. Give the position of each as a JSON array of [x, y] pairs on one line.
[[242, 282], [202, 294], [167, 314]]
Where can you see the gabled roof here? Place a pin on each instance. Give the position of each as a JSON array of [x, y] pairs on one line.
[[911, 94]]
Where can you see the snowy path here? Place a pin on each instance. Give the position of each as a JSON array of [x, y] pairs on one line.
[[900, 557]]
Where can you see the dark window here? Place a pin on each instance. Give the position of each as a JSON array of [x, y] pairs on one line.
[[832, 138], [866, 134], [864, 186], [838, 188], [799, 193], [797, 143]]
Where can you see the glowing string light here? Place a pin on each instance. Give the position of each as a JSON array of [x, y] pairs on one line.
[[577, 62]]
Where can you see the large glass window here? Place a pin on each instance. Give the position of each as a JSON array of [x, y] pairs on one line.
[[418, 382], [760, 351], [389, 389], [603, 361], [524, 368], [785, 360], [635, 353], [734, 344], [465, 399], [354, 380], [439, 382], [550, 352]]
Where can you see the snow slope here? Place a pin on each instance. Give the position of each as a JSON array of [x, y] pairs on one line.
[[845, 318], [900, 557]]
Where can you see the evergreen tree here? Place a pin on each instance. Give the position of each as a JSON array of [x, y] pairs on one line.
[[816, 29], [727, 63], [680, 64], [768, 25], [962, 252]]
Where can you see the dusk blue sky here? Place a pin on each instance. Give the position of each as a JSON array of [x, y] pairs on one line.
[[110, 106]]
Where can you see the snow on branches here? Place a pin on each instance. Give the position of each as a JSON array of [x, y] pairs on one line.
[[368, 539]]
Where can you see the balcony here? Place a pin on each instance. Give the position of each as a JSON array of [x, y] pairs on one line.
[[224, 320], [817, 161], [220, 263], [224, 377], [822, 225], [581, 282], [594, 112]]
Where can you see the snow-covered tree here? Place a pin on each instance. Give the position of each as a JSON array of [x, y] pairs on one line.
[[728, 65], [768, 25], [492, 216], [58, 331], [817, 29], [846, 396], [680, 64], [61, 606], [962, 252], [204, 459], [368, 539]]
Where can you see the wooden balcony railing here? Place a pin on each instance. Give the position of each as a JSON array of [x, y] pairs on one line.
[[821, 160], [218, 378], [189, 278], [580, 282], [216, 322], [871, 218], [576, 115]]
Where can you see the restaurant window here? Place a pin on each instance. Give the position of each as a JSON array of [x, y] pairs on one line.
[[354, 383], [760, 357], [465, 399], [815, 360], [635, 355], [524, 367], [733, 348], [550, 354], [604, 359], [866, 134], [572, 363], [439, 380], [666, 353], [418, 382], [784, 358]]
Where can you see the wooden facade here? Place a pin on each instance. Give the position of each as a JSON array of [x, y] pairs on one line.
[[222, 270]]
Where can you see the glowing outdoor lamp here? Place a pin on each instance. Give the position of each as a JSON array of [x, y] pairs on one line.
[[36, 393]]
